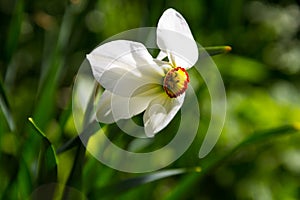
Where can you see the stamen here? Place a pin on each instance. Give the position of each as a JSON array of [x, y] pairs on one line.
[[176, 82]]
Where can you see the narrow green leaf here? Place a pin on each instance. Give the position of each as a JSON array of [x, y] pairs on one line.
[[47, 167], [184, 189], [212, 51], [75, 177], [43, 191], [83, 137], [18, 172], [53, 68], [52, 64], [14, 29], [125, 185], [5, 107], [65, 115], [10, 170], [24, 188], [260, 136], [74, 142]]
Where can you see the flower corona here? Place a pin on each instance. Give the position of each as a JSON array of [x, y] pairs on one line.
[[176, 82]]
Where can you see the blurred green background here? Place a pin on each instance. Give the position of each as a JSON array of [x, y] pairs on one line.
[[43, 44]]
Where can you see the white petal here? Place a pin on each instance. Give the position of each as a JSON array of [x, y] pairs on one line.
[[126, 83], [161, 55], [103, 108], [174, 37], [127, 107], [123, 54], [160, 112], [112, 108]]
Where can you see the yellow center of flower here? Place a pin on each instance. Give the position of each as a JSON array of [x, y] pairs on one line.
[[176, 82]]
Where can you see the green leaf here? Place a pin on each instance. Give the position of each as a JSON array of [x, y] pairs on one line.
[[9, 172], [125, 185], [212, 51], [14, 29], [43, 192], [74, 142], [75, 177], [5, 107], [184, 189], [82, 137], [53, 66], [15, 171], [47, 166]]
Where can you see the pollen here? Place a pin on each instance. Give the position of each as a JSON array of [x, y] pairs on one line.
[[176, 82]]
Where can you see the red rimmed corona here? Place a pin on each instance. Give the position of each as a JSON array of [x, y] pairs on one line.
[[176, 82]]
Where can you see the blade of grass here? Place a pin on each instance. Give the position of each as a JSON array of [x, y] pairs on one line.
[[24, 188], [14, 29], [65, 115], [47, 167], [74, 142], [54, 69], [18, 172], [52, 62], [184, 188], [81, 138], [45, 101], [13, 40], [10, 169], [75, 177], [125, 185], [5, 107]]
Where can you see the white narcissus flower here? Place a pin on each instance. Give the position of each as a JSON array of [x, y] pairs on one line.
[[135, 82]]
